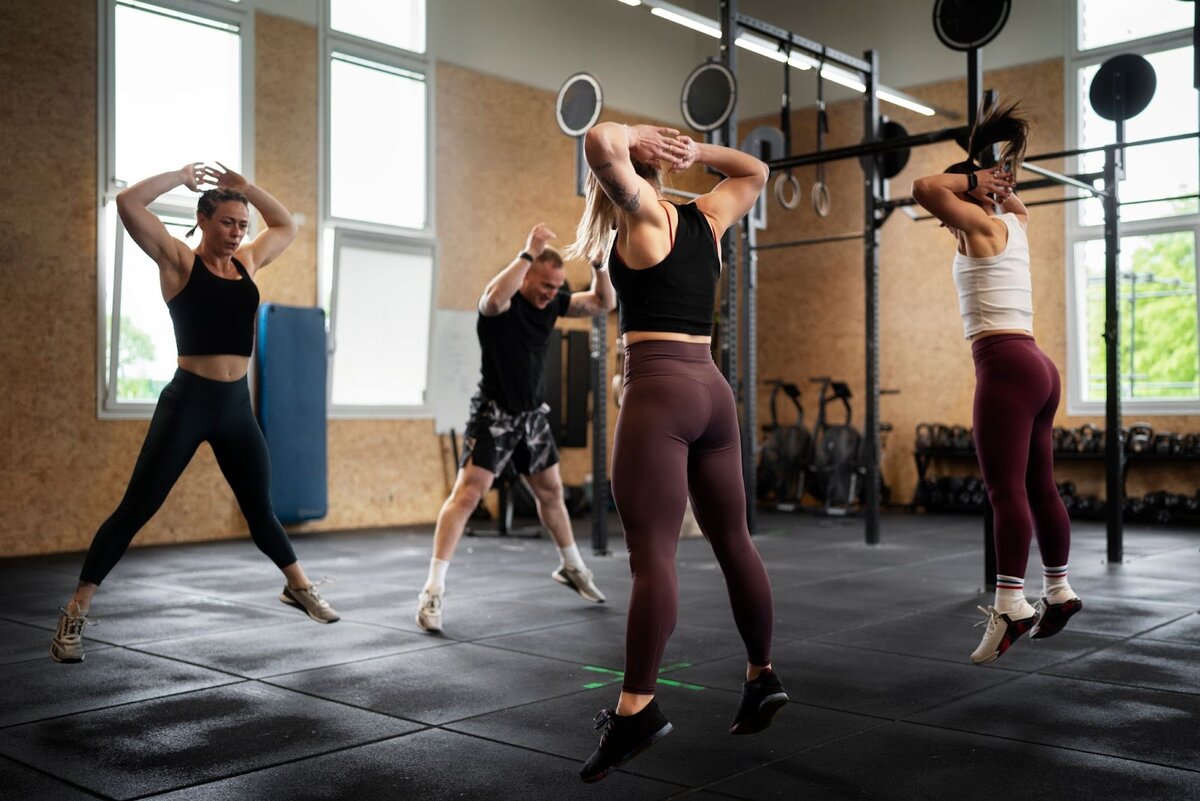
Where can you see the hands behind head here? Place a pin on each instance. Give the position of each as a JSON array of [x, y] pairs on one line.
[[535, 243], [197, 174], [224, 178], [995, 182], [192, 175], [650, 144]]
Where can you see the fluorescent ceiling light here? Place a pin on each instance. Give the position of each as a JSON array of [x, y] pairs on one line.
[[696, 23], [765, 48], [844, 78], [631, 2], [904, 102]]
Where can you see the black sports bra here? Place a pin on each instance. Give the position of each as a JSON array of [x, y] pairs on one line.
[[677, 294], [214, 315]]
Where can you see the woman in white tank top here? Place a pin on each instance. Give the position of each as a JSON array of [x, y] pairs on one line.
[[1017, 387]]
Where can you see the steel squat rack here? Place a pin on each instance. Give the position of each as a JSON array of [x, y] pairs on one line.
[[738, 332]]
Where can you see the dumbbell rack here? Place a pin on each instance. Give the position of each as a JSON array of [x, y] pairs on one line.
[[925, 456]]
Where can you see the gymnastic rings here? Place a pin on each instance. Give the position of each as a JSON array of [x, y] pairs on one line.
[[788, 191], [820, 199]]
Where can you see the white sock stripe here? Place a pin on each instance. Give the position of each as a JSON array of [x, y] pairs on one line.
[[1013, 580], [1055, 571]]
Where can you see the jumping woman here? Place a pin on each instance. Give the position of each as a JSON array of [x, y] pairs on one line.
[[212, 299], [1017, 387], [677, 432]]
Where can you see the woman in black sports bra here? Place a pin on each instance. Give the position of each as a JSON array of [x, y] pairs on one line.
[[212, 299], [677, 432]]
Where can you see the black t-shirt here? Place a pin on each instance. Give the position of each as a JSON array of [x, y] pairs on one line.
[[514, 351]]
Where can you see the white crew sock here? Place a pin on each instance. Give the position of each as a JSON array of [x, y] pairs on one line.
[[1010, 594], [1054, 584], [436, 583], [570, 556]]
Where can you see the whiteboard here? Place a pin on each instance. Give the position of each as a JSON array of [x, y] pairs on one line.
[[456, 361]]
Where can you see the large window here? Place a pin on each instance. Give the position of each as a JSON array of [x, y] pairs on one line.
[[175, 88], [1160, 216], [378, 256]]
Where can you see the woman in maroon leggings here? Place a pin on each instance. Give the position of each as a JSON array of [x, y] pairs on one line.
[[677, 432], [1017, 387]]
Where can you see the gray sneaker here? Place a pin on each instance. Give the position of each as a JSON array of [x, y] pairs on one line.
[[429, 612], [580, 580], [67, 645], [311, 602]]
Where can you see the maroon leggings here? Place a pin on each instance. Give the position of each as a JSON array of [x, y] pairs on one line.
[[1017, 390], [678, 433]]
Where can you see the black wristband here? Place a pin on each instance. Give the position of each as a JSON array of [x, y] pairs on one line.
[[524, 254], [972, 181]]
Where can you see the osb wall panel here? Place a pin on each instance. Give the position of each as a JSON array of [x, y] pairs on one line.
[[811, 298], [285, 148]]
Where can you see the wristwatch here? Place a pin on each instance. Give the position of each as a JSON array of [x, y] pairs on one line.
[[524, 254]]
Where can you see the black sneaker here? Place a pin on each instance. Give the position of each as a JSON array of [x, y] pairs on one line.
[[762, 699], [1053, 617], [624, 737]]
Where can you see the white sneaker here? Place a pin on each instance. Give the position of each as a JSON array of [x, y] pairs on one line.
[[580, 580], [429, 612], [1003, 629], [308, 600], [67, 645]]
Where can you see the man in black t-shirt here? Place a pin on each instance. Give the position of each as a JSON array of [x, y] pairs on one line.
[[517, 312]]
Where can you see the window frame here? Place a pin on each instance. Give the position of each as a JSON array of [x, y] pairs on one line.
[[368, 240], [333, 232], [227, 12], [1077, 232]]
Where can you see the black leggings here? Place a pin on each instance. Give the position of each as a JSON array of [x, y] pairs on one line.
[[678, 433], [190, 410], [1017, 391]]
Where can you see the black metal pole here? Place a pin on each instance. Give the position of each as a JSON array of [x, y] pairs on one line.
[[750, 371], [868, 148], [600, 435], [872, 191], [728, 134], [974, 85], [1114, 451]]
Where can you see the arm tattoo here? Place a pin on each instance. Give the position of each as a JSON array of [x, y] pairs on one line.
[[630, 202]]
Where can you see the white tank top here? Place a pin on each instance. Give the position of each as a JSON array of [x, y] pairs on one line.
[[996, 293]]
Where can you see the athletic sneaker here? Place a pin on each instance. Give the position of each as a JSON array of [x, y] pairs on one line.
[[624, 737], [67, 645], [311, 602], [580, 580], [1002, 631], [1053, 617], [429, 613], [762, 698]]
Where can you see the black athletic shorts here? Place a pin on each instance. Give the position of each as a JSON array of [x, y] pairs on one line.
[[494, 436]]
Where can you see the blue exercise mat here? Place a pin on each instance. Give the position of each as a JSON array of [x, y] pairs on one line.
[[291, 370]]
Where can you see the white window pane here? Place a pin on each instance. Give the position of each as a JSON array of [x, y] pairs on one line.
[[1105, 22], [1164, 170], [381, 327], [377, 144], [166, 69], [400, 23], [146, 357], [1159, 358]]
